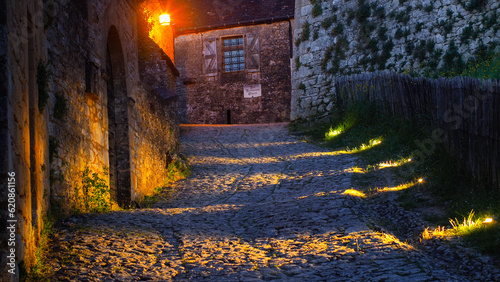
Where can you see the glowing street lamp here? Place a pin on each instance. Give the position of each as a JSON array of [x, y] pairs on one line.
[[165, 19]]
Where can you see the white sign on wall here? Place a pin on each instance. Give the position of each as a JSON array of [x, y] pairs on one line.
[[252, 91]]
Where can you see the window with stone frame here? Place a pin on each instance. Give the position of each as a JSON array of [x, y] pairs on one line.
[[233, 54]]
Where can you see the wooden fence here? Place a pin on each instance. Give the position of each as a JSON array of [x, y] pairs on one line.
[[464, 111]]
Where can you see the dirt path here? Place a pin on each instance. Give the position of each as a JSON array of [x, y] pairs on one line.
[[260, 205]]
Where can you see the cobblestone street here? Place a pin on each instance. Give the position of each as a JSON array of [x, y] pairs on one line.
[[259, 205]]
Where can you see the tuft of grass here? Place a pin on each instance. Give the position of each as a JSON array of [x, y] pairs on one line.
[[487, 68], [445, 184], [177, 170]]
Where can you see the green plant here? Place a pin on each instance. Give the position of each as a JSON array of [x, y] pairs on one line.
[[403, 17], [379, 12], [430, 45], [317, 9], [419, 26], [453, 63], [315, 34], [177, 170], [40, 270], [42, 80], [475, 5], [338, 29], [298, 64], [382, 33], [449, 13], [467, 33], [302, 86], [483, 66], [420, 51], [491, 20], [363, 12], [305, 35], [60, 107], [399, 33], [429, 8], [387, 48], [94, 191], [446, 26], [373, 45], [350, 14], [326, 23]]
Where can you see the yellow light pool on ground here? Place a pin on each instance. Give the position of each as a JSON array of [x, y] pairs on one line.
[[355, 193], [488, 220]]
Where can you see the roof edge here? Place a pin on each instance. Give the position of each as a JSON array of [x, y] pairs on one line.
[[184, 31]]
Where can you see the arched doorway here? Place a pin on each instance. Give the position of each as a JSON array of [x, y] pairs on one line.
[[118, 127]]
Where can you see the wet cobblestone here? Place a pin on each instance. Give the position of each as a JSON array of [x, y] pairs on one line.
[[259, 205]]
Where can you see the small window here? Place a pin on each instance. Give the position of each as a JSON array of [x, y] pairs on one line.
[[234, 54]]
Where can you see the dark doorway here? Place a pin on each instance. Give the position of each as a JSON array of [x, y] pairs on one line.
[[228, 116], [118, 127]]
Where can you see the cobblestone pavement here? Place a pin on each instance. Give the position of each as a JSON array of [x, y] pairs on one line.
[[260, 205]]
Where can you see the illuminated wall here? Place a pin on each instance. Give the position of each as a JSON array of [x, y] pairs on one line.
[[161, 35]]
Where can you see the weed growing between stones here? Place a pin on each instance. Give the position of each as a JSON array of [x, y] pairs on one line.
[[40, 270], [304, 36], [177, 170], [317, 10], [435, 181], [94, 191]]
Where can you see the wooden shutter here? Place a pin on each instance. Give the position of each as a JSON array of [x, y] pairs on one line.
[[253, 52], [210, 56]]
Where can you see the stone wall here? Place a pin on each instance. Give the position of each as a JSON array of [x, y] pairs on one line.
[[25, 124], [215, 97], [132, 132], [336, 38], [73, 96]]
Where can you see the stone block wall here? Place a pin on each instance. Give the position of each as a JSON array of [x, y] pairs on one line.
[[215, 97], [337, 38]]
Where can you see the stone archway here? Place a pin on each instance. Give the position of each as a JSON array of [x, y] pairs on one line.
[[118, 126]]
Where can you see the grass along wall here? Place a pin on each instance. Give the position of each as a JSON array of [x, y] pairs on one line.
[[423, 38]]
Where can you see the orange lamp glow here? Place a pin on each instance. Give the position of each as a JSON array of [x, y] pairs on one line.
[[165, 19]]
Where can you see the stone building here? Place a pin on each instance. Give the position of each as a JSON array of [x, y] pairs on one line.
[[234, 60], [82, 86]]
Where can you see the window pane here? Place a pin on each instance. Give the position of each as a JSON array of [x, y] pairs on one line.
[[234, 54]]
